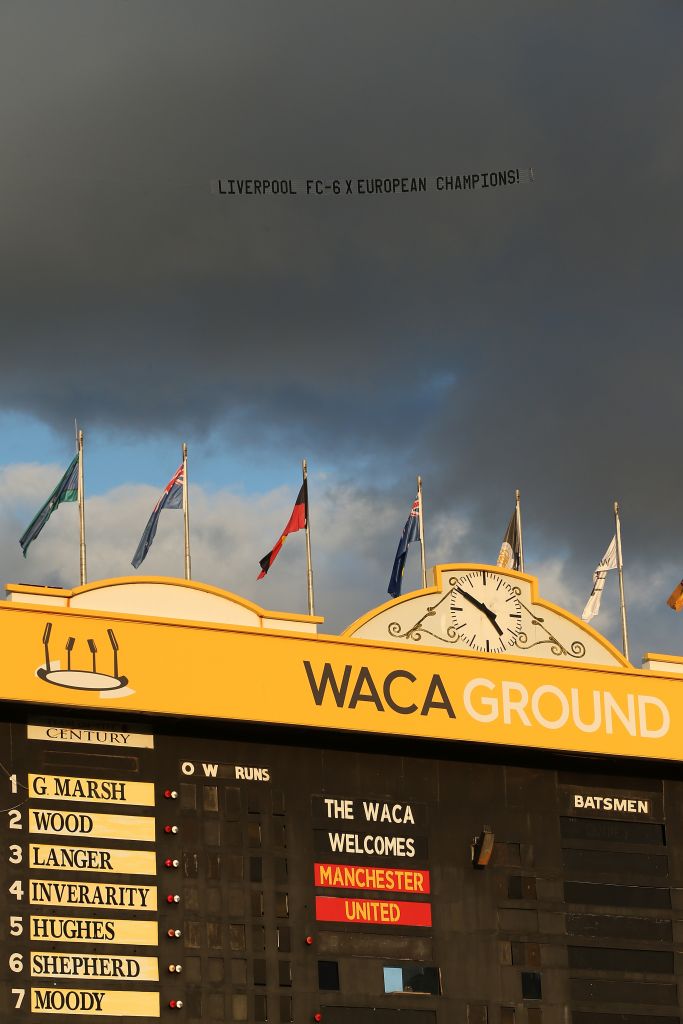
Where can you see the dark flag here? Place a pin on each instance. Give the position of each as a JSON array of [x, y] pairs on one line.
[[411, 532], [510, 554], [297, 521], [66, 490], [171, 498]]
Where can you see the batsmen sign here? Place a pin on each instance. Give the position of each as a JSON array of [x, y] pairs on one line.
[[287, 676]]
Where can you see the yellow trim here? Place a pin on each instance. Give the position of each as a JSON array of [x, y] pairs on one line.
[[677, 658], [119, 581], [28, 588], [459, 567]]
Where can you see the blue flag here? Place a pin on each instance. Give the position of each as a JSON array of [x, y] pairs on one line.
[[66, 490], [171, 498], [411, 532]]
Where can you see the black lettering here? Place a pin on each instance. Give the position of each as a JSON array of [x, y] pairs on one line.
[[436, 686], [365, 679], [400, 709], [328, 678]]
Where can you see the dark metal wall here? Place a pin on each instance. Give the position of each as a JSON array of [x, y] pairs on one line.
[[574, 919]]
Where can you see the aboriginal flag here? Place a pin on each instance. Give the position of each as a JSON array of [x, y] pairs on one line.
[[297, 521]]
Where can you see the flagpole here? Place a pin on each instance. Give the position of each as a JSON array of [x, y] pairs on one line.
[[422, 533], [518, 513], [620, 570], [81, 509], [186, 516], [309, 564]]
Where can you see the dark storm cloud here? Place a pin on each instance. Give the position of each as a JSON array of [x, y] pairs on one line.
[[527, 337]]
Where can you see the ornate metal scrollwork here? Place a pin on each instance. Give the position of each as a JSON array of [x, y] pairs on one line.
[[419, 629], [415, 631], [576, 648]]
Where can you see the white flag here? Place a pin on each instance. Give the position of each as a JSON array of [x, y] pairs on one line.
[[608, 561]]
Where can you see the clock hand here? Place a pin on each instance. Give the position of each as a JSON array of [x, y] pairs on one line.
[[472, 600], [491, 616]]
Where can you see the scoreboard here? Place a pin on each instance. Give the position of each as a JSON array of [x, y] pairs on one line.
[[164, 869], [211, 813]]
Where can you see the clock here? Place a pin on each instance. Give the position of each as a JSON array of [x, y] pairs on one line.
[[486, 611]]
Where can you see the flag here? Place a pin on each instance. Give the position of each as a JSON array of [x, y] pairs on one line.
[[608, 561], [675, 600], [297, 521], [510, 554], [66, 490], [171, 498], [411, 532]]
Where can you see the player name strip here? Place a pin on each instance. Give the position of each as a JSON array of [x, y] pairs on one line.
[[92, 894], [109, 791], [107, 1003], [112, 930], [96, 826], [80, 965], [90, 858]]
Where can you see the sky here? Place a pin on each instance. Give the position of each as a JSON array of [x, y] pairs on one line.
[[520, 336]]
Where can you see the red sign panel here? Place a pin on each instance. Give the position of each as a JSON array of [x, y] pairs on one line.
[[355, 876], [387, 912]]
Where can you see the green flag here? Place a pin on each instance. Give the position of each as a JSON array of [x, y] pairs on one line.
[[66, 490]]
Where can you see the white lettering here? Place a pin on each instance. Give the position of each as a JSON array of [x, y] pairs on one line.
[[576, 712], [653, 734], [491, 702], [627, 718], [548, 723], [510, 705]]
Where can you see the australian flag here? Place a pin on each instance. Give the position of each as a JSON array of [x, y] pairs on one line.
[[171, 498], [411, 532]]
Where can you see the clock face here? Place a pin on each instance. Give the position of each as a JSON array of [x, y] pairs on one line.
[[486, 611]]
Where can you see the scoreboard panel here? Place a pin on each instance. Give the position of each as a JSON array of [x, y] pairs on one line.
[[155, 868]]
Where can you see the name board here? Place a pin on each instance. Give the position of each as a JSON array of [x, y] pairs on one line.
[[117, 931], [370, 844], [106, 1003], [240, 772], [106, 791], [356, 876], [90, 858], [95, 826], [368, 812], [611, 804], [380, 912], [78, 965], [97, 737], [92, 894]]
